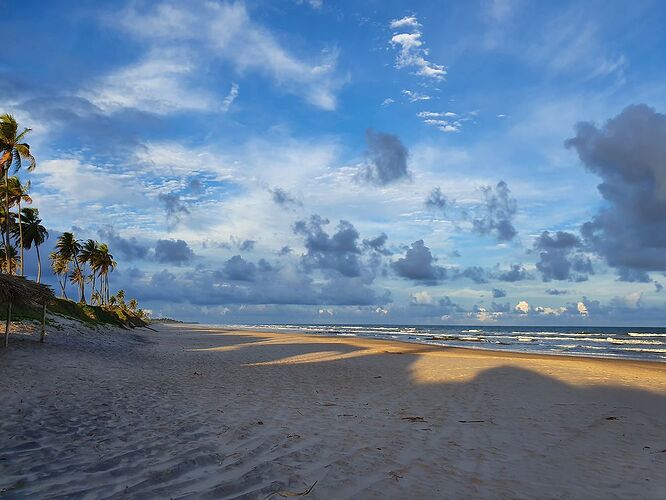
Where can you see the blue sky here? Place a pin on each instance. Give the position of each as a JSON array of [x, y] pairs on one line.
[[390, 162]]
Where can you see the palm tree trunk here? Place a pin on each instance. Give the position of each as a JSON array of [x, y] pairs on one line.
[[39, 264], [20, 233], [7, 257]]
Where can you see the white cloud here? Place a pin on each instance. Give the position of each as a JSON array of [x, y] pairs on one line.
[[405, 22], [231, 97], [522, 307], [422, 298], [415, 96], [388, 101], [226, 32], [413, 52], [160, 83], [582, 309]]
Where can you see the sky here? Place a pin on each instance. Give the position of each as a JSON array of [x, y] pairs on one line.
[[312, 161]]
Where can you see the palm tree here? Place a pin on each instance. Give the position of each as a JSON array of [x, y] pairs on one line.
[[105, 264], [13, 152], [88, 255], [77, 277], [18, 193], [4, 222], [33, 234], [10, 259], [68, 248], [133, 304], [60, 268]]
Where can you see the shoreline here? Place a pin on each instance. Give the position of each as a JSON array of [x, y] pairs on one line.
[[590, 356]]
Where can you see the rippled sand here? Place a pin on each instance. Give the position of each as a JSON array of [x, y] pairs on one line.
[[192, 411]]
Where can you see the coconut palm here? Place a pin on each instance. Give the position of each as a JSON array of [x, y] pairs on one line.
[[77, 277], [105, 265], [133, 304], [60, 267], [68, 248], [33, 234], [18, 193], [88, 255], [9, 258], [12, 152], [4, 222]]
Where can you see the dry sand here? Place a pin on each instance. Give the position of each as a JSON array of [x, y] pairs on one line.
[[199, 412]]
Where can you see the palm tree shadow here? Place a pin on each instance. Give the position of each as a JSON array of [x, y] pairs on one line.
[[501, 428]]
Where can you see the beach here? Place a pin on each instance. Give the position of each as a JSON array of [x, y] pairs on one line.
[[191, 411]]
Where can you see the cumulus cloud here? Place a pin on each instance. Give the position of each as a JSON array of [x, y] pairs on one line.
[[516, 272], [496, 215], [412, 51], [418, 264], [498, 293], [436, 200], [129, 248], [238, 269], [173, 252], [555, 291], [560, 257], [522, 307], [387, 159], [339, 252], [378, 244], [627, 153]]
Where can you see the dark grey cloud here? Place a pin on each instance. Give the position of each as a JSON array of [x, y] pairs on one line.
[[238, 269], [243, 245], [173, 252], [418, 264], [628, 153], [555, 291], [339, 251], [174, 207], [128, 248], [386, 159], [475, 273], [436, 200], [495, 216], [378, 244], [284, 198], [658, 286], [285, 250], [560, 257], [516, 272], [499, 293]]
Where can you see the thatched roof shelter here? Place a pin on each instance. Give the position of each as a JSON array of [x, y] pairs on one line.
[[19, 290]]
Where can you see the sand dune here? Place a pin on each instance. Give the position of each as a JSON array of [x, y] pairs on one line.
[[200, 412]]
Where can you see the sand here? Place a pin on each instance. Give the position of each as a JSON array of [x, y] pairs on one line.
[[202, 412]]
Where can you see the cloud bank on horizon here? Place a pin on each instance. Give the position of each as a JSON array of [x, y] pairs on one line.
[[314, 161]]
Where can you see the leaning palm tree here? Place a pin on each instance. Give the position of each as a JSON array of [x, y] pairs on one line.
[[12, 152], [105, 264], [77, 277], [9, 259], [88, 255], [60, 267], [18, 193], [68, 248], [33, 234]]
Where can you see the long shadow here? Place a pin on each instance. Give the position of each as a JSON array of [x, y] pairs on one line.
[[366, 418], [509, 425]]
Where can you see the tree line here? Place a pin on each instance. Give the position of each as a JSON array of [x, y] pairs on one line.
[[74, 261]]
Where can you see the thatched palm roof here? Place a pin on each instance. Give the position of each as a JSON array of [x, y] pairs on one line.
[[17, 289]]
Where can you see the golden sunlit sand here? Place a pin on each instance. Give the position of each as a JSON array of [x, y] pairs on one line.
[[215, 413]]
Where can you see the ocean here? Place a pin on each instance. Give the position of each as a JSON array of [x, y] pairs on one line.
[[607, 342]]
